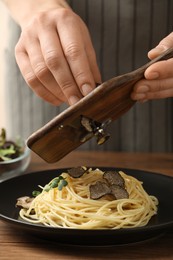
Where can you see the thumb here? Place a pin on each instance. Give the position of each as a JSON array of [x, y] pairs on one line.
[[163, 45]]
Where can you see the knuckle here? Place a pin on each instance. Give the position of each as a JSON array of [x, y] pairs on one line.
[[82, 76], [30, 79], [51, 59], [65, 14], [66, 85], [45, 18], [72, 51], [39, 20], [40, 70]]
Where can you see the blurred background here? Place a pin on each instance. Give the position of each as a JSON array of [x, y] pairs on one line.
[[3, 42], [122, 31]]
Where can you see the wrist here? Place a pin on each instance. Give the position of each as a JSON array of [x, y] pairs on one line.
[[22, 11]]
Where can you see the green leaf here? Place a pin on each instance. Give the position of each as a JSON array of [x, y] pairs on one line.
[[4, 153]]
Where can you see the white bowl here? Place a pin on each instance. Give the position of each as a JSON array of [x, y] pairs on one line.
[[14, 167]]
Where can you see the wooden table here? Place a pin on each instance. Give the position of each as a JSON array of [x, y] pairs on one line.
[[17, 245]]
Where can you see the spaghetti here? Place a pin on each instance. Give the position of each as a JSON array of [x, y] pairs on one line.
[[72, 206]]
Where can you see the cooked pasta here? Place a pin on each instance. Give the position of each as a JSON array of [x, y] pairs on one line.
[[72, 206]]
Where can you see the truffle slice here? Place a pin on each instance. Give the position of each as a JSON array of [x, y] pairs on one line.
[[98, 190], [77, 172], [119, 192], [113, 177], [86, 122]]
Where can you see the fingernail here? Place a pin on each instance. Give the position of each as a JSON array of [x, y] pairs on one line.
[[86, 89], [73, 100], [143, 89]]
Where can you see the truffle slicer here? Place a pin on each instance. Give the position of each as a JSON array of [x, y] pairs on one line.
[[89, 117]]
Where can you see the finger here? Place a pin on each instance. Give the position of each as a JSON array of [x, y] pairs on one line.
[[149, 89], [160, 70], [42, 72], [164, 44], [152, 95], [155, 52], [153, 85], [57, 64], [91, 57], [138, 96], [166, 93], [144, 86], [30, 78], [75, 53]]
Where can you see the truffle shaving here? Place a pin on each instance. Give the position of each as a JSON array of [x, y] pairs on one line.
[[111, 184], [119, 192], [98, 190], [77, 172], [113, 177]]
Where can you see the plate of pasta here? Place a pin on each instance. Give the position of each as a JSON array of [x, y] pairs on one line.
[[89, 206]]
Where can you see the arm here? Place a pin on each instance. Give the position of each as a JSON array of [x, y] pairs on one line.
[[158, 82], [54, 52]]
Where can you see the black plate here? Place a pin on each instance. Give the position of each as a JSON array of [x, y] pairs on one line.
[[155, 184]]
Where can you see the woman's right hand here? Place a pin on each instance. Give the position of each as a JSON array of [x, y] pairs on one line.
[[56, 56]]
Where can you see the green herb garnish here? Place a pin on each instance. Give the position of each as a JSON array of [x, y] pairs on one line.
[[35, 193], [58, 182], [62, 184]]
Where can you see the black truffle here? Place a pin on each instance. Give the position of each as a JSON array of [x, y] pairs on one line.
[[77, 172], [113, 177], [99, 189], [119, 192]]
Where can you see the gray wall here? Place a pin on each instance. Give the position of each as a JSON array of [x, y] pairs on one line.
[[122, 32]]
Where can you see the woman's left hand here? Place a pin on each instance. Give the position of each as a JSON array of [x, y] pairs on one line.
[[158, 82]]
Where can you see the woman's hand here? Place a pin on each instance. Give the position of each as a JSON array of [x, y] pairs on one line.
[[56, 56], [158, 82]]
